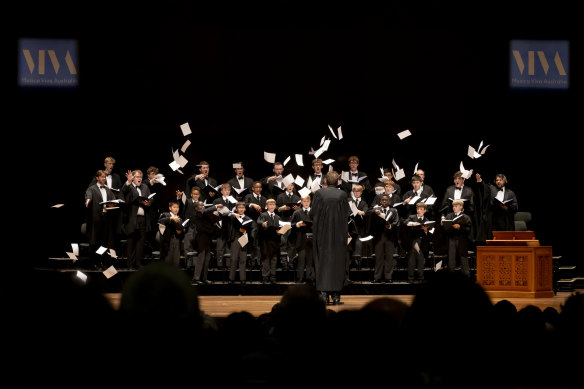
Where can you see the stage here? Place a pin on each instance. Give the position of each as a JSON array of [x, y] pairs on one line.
[[219, 298]]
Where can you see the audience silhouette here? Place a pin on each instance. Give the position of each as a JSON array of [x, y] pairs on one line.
[[450, 336]]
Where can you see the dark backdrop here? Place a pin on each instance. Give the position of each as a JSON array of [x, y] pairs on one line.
[[272, 76]]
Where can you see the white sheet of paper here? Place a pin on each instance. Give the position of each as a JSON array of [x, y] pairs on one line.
[[404, 134], [366, 238], [284, 228], [304, 192], [174, 165], [299, 181], [182, 161], [344, 175], [243, 239], [112, 253], [231, 199], [328, 161], [322, 140], [286, 161], [183, 198], [57, 205], [394, 164], [353, 207], [318, 152], [75, 248], [186, 129], [349, 239], [439, 265], [185, 222], [332, 131], [81, 276], [465, 173], [72, 256], [311, 152], [160, 178], [289, 179], [340, 133], [430, 200], [161, 228], [399, 174], [326, 144], [110, 272], [414, 199], [315, 185], [101, 250], [185, 145], [270, 157], [299, 161], [236, 165], [482, 152], [416, 168]]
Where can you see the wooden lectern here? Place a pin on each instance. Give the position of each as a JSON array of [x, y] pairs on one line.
[[513, 264]]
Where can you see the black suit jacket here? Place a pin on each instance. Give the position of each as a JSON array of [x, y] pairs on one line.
[[192, 182], [116, 185], [130, 194], [467, 196]]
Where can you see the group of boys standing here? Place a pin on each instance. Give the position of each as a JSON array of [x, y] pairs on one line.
[[246, 216]]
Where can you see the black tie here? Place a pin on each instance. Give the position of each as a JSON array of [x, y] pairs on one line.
[[305, 212], [258, 197], [102, 187], [272, 217], [290, 196]]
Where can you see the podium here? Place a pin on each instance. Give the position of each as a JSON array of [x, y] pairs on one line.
[[513, 264]]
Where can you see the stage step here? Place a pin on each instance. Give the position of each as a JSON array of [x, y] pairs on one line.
[[565, 284], [361, 281], [578, 282]]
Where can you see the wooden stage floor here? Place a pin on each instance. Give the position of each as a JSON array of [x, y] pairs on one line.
[[221, 306]]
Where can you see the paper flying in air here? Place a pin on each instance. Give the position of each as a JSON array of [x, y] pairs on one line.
[[110, 272], [269, 157], [186, 129], [332, 131], [304, 192], [404, 134], [289, 179], [81, 276], [185, 145], [465, 173], [299, 161]]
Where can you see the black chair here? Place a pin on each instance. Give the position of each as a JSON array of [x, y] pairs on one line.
[[522, 220]]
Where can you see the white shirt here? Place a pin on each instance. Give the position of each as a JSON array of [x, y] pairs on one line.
[[103, 192], [140, 209], [457, 193], [500, 194]]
